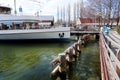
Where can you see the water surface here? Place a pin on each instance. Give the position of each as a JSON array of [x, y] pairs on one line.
[[31, 61]]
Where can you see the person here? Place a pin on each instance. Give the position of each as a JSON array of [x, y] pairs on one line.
[[0, 26], [27, 26], [101, 29], [107, 30]]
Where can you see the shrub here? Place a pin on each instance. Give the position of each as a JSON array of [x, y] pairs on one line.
[[118, 29]]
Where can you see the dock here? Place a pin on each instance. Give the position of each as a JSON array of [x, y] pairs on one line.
[[65, 60], [109, 50], [84, 32], [109, 46]]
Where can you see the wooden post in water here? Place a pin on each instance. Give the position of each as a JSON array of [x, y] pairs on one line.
[[66, 59], [77, 49], [62, 66], [60, 70]]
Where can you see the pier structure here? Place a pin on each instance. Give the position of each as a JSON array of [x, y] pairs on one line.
[[84, 32], [109, 47], [79, 33], [65, 60]]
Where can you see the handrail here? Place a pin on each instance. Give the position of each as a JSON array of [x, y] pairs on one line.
[[112, 54], [84, 31], [107, 49], [104, 74], [116, 44]]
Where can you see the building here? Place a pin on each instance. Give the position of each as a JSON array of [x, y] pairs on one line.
[[46, 21], [90, 23]]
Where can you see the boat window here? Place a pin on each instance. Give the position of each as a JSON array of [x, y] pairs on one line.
[[27, 26], [33, 26], [18, 25], [0, 26], [7, 25]]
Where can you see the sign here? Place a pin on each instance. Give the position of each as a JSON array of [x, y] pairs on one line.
[[20, 9]]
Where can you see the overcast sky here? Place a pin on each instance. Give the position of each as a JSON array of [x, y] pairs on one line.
[[47, 7]]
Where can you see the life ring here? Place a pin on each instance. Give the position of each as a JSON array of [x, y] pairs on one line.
[[61, 35]]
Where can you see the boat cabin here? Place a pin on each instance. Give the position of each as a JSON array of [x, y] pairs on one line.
[[46, 21], [5, 10], [10, 22]]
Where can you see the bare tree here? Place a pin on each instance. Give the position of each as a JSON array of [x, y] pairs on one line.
[[78, 6], [81, 8], [58, 15], [61, 16], [74, 10], [118, 13], [107, 10], [69, 15]]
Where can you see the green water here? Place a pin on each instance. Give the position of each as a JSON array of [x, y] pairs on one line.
[[87, 66], [31, 61]]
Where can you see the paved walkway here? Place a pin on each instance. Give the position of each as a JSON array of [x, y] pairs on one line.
[[115, 36]]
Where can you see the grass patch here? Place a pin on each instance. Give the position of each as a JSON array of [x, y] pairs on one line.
[[118, 29]]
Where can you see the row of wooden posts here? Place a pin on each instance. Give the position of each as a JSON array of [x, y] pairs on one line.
[[65, 60]]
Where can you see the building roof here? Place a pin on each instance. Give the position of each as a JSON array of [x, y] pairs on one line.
[[10, 18], [5, 7], [93, 20], [88, 20], [46, 18]]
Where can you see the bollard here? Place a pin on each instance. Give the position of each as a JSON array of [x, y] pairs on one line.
[[61, 69], [62, 66], [55, 61], [75, 48], [55, 73], [72, 54], [82, 42], [86, 38], [78, 48], [69, 57], [65, 60]]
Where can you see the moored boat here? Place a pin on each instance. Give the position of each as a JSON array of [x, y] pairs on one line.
[[18, 27]]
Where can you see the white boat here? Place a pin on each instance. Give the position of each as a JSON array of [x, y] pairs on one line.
[[14, 27]]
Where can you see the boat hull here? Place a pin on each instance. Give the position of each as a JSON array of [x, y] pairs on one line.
[[53, 33]]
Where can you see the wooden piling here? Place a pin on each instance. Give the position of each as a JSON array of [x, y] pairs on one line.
[[60, 70], [65, 60], [55, 73]]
